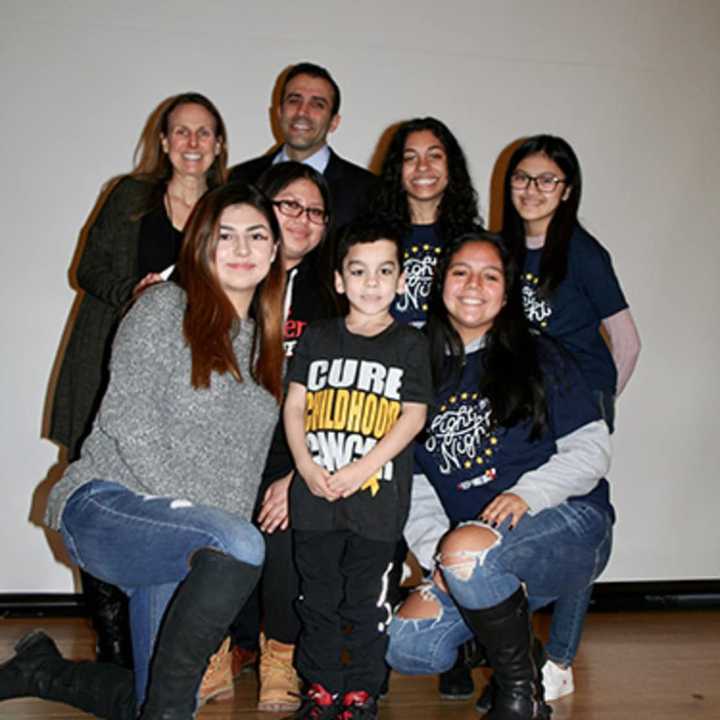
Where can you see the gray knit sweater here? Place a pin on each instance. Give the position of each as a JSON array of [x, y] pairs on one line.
[[156, 434]]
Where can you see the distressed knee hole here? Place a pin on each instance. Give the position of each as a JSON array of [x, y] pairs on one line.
[[421, 605], [466, 548]]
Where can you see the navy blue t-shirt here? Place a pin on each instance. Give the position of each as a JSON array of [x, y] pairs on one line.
[[469, 459], [422, 249], [589, 292]]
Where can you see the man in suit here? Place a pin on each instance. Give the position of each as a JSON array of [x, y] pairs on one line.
[[308, 112]]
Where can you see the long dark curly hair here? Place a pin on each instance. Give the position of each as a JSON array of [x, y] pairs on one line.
[[458, 210]]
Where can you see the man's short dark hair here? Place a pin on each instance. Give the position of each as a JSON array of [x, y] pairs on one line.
[[370, 229], [316, 71]]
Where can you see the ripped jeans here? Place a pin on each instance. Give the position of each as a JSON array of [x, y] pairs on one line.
[[559, 550], [143, 544]]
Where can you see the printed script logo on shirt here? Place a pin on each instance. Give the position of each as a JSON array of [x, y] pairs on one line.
[[537, 310], [350, 405], [461, 437], [418, 265]]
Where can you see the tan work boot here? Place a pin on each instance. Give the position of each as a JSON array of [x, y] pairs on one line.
[[217, 683], [277, 677]]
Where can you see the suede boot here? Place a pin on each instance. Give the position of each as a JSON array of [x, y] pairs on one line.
[[38, 670], [505, 632], [195, 624]]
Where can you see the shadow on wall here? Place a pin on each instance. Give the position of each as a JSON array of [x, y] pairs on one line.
[[497, 180], [39, 499], [381, 148]]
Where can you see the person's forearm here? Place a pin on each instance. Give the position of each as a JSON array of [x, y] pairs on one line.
[[294, 419], [406, 427], [624, 345]]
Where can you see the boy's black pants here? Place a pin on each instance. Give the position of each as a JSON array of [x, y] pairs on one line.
[[343, 609]]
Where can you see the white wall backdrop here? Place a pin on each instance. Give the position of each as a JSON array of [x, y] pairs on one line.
[[632, 84]]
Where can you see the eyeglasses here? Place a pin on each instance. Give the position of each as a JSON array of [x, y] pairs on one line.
[[545, 182], [294, 209]]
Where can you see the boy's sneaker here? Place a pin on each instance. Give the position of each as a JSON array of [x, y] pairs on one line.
[[317, 704], [557, 681], [358, 705]]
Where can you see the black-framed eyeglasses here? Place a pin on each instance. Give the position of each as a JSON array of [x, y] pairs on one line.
[[293, 209], [544, 182]]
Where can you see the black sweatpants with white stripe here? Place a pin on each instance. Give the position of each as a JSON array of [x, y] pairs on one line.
[[343, 609]]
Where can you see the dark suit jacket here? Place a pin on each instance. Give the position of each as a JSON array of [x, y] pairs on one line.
[[350, 185]]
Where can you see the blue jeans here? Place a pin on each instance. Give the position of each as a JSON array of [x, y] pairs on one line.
[[143, 544], [568, 617], [558, 551]]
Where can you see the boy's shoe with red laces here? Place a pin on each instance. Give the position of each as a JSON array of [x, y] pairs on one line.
[[317, 704], [358, 705]]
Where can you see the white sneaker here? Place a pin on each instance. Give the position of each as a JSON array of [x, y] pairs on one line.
[[557, 681]]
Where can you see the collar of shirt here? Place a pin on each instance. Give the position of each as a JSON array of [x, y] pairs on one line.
[[318, 160]]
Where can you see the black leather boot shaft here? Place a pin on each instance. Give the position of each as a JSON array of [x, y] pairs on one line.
[[108, 609], [505, 632], [485, 702]]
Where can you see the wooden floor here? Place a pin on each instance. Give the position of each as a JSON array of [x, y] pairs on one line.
[[640, 666]]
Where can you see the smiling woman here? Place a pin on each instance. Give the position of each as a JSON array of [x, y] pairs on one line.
[[516, 450], [134, 235], [246, 247], [160, 501], [425, 182], [301, 198]]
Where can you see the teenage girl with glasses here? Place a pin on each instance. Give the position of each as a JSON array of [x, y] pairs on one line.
[[571, 292]]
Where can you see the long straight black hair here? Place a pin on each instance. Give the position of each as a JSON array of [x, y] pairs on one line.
[[512, 379], [554, 257]]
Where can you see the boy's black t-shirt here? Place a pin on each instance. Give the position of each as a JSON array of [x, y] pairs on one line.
[[355, 387]]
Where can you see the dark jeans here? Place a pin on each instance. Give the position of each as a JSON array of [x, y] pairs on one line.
[[343, 609]]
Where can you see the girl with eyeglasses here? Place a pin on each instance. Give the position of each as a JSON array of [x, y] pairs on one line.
[[571, 292], [301, 199]]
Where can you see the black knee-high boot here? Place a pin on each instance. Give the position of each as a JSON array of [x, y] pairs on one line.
[[505, 632], [195, 624], [38, 670], [108, 608], [485, 702]]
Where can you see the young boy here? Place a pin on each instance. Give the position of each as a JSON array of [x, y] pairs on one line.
[[358, 393]]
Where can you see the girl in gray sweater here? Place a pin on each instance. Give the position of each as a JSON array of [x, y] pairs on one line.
[[160, 501]]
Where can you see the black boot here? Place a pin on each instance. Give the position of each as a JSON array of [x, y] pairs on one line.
[[38, 670], [195, 624], [485, 702], [506, 634], [457, 682], [108, 608]]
